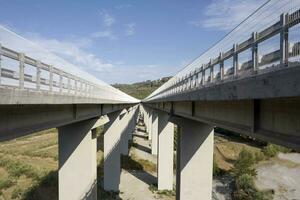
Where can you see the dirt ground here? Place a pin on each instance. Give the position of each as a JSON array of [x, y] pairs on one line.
[[281, 174]]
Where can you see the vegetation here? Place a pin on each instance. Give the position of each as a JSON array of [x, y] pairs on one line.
[[272, 150], [141, 90], [244, 172], [244, 164], [153, 188], [29, 172], [246, 190], [217, 171]]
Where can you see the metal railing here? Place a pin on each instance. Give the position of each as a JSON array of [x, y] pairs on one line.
[[273, 43], [64, 84]]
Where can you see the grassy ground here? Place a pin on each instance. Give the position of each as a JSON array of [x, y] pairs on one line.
[[227, 150], [28, 167]]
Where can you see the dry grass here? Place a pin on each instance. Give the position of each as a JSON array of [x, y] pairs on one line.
[[226, 151], [25, 165]]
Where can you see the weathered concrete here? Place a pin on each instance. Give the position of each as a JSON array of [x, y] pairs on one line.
[[274, 120], [165, 152], [195, 160], [19, 120], [77, 161], [150, 124], [154, 133], [283, 82], [112, 165], [125, 131]]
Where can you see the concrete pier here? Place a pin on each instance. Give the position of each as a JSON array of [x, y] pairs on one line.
[[154, 133], [112, 164], [165, 152], [77, 173], [150, 124], [124, 126], [195, 160]]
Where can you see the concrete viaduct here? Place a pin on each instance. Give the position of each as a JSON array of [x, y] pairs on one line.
[[258, 96]]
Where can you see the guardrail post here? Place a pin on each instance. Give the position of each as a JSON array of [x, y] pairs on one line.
[[254, 51], [221, 66], [203, 76], [235, 60], [211, 71], [60, 81], [284, 39], [50, 78], [75, 82], [38, 75], [69, 85], [21, 70]]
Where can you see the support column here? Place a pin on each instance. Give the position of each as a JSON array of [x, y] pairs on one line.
[[165, 152], [112, 164], [124, 126], [154, 132], [77, 161], [150, 125], [195, 160]]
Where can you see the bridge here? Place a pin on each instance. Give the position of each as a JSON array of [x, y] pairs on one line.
[[248, 82]]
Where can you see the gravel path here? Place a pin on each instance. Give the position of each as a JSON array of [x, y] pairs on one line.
[[134, 185]]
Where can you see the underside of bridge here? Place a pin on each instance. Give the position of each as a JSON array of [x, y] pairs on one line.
[[237, 85]]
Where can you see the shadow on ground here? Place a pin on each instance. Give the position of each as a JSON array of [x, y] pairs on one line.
[[45, 189], [141, 147]]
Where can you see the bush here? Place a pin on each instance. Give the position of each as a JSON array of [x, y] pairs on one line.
[[16, 193], [259, 156], [244, 164], [245, 189], [16, 168], [6, 183], [272, 150]]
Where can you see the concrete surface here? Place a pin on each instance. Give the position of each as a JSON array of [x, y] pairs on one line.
[[77, 161], [195, 156], [165, 152]]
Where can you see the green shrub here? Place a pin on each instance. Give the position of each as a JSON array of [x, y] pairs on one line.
[[246, 190], [272, 150], [259, 156], [16, 193], [244, 164], [6, 183], [16, 168]]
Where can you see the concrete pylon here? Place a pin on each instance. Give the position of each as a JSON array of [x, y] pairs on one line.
[[154, 133], [150, 125], [165, 152], [124, 126], [112, 164], [194, 160], [77, 173]]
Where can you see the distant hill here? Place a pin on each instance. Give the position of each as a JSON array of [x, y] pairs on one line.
[[141, 90]]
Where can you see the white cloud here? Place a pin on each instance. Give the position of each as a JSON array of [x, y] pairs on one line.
[[104, 34], [226, 14], [74, 53], [130, 29], [108, 20]]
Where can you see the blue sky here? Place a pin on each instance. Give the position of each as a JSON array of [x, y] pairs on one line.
[[124, 41]]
